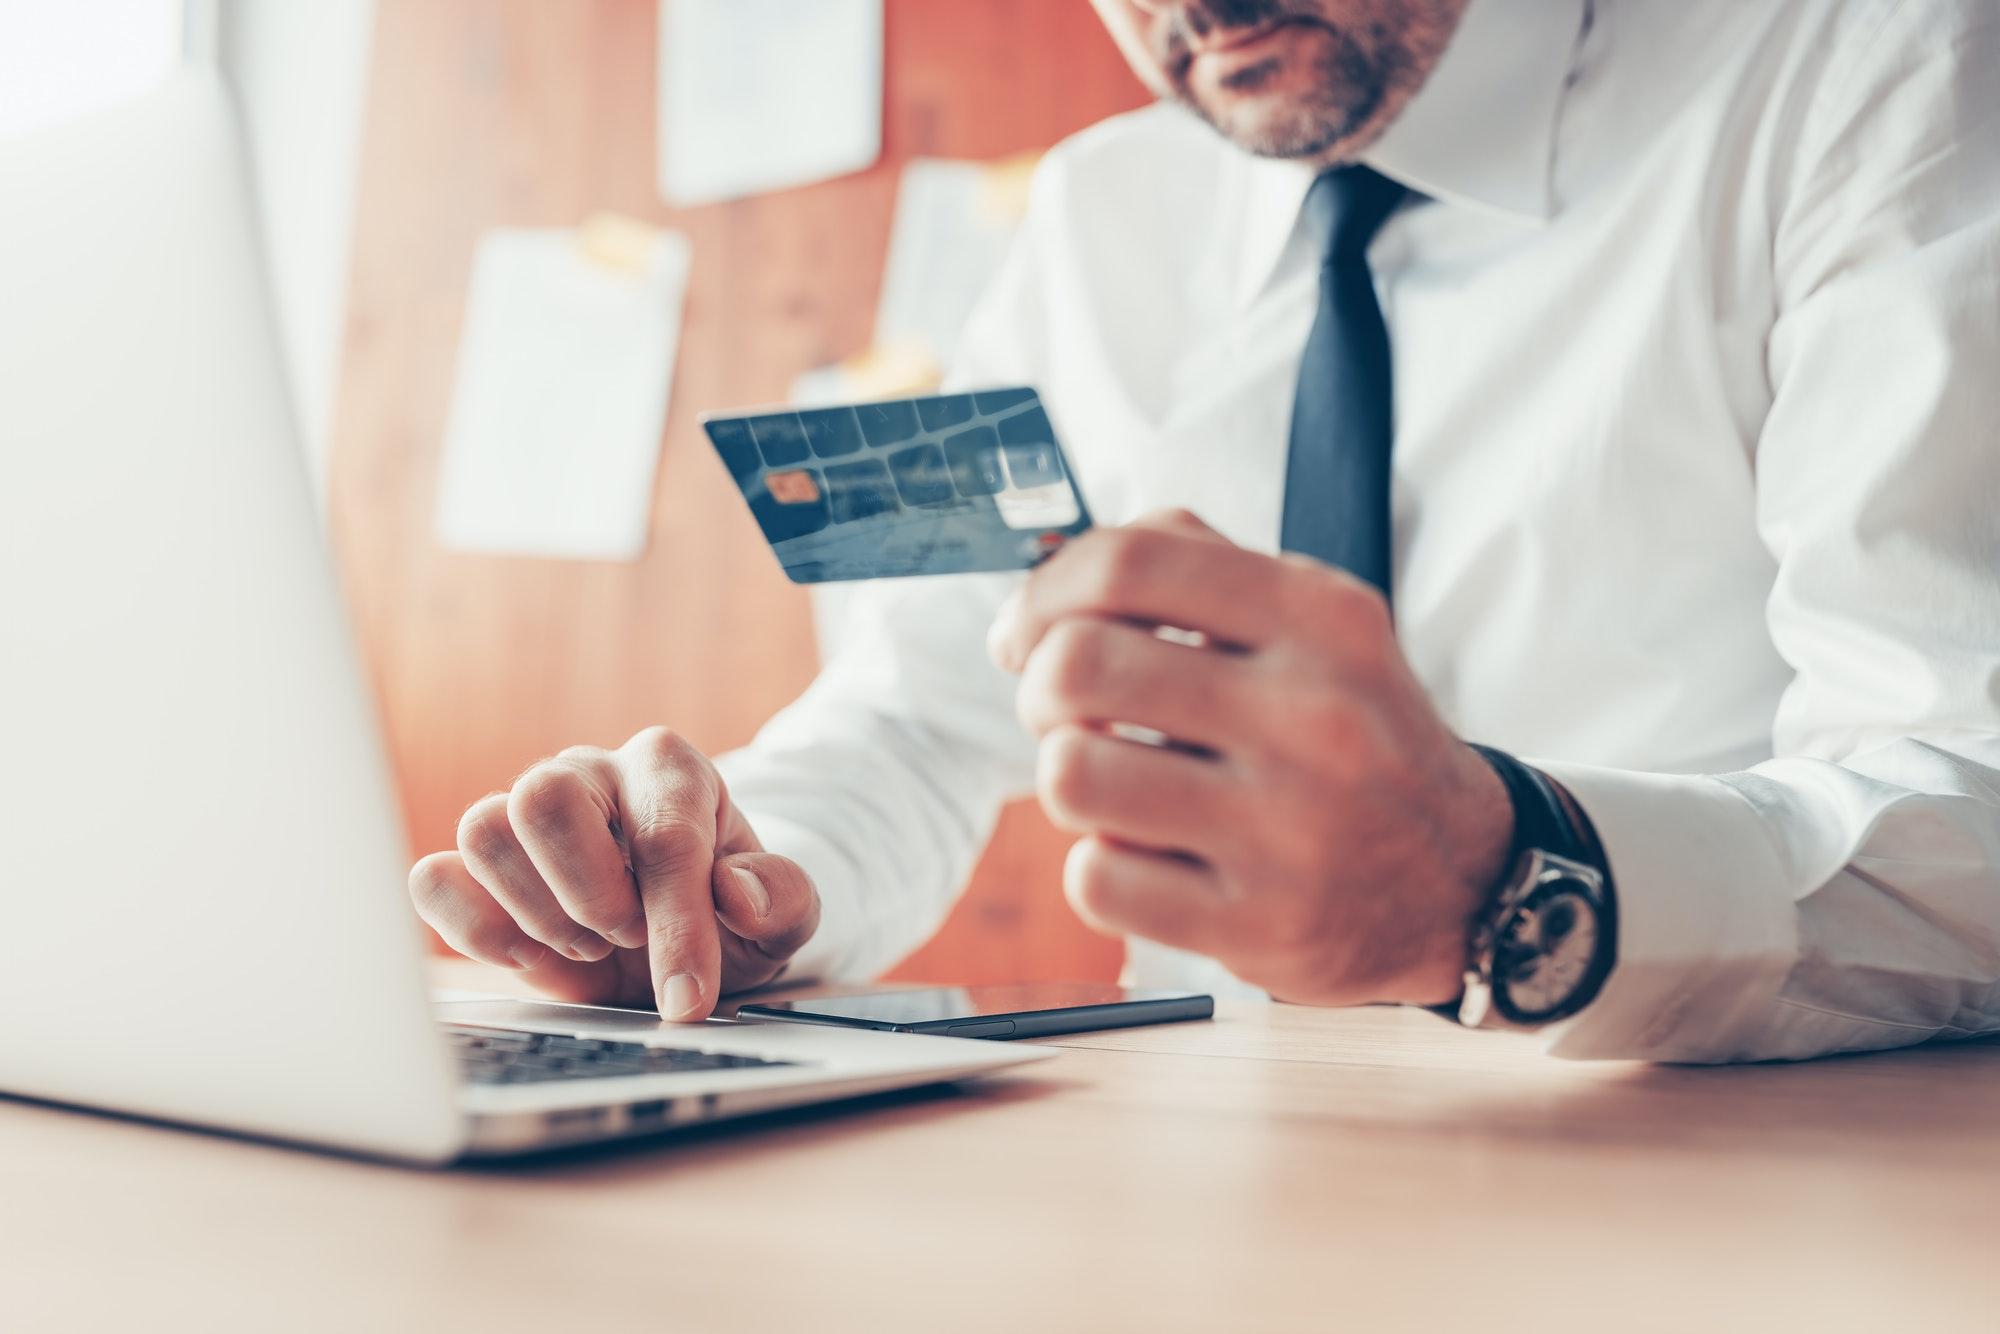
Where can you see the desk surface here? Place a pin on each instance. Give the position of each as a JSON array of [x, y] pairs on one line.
[[1277, 1168]]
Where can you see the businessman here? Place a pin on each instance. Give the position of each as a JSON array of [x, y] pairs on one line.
[[1554, 447]]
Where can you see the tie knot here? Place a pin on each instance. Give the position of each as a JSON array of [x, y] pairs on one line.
[[1355, 201]]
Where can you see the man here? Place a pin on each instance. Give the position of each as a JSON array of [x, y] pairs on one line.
[[1619, 379]]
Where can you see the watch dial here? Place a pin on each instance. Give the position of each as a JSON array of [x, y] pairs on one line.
[[1545, 952]]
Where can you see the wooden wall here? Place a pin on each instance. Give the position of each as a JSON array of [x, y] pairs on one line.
[[536, 113]]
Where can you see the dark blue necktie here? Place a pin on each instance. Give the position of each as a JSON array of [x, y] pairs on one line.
[[1337, 474]]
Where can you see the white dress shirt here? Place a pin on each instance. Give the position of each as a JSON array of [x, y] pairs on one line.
[[1696, 495]]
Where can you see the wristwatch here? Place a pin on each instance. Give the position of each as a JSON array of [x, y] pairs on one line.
[[1548, 935]]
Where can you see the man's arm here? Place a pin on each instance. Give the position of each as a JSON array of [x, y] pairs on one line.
[[831, 844], [1319, 830], [1847, 895], [883, 780]]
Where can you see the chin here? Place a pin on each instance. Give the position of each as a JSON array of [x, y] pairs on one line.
[[1308, 91], [1260, 124], [1279, 127], [1289, 112]]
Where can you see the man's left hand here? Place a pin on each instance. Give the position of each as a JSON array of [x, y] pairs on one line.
[[1310, 821]]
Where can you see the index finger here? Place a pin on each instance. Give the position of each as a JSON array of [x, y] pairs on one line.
[[668, 802], [1158, 572]]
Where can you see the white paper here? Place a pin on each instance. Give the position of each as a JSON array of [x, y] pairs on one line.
[[954, 225], [950, 236], [561, 397], [759, 95]]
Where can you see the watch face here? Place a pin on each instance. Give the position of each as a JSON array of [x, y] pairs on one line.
[[1544, 952]]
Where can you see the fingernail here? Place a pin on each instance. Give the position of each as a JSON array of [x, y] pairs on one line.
[[528, 956], [630, 936], [753, 889], [589, 947], [680, 996]]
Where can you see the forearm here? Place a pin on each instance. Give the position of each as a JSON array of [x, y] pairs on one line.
[[883, 781]]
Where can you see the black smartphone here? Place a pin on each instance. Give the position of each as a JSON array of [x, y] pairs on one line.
[[1016, 1010]]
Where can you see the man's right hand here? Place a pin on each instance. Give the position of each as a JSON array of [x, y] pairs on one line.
[[619, 877]]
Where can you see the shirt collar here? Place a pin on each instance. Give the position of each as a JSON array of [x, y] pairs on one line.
[[1479, 133]]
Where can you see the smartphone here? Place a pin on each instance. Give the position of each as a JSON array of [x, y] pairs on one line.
[[1018, 1010]]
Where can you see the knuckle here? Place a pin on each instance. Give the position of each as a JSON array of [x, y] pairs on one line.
[[1299, 589], [544, 796], [1339, 618], [1087, 881], [484, 832], [1124, 564], [604, 905], [1077, 654], [665, 746], [1127, 563], [1172, 518], [670, 769], [1067, 777], [1352, 605], [665, 845]]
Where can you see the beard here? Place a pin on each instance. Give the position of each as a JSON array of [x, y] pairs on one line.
[[1320, 92]]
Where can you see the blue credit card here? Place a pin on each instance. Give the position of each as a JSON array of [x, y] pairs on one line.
[[950, 484]]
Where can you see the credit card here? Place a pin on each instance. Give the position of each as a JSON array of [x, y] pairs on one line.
[[950, 484]]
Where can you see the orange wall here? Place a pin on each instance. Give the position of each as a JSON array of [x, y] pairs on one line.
[[525, 113]]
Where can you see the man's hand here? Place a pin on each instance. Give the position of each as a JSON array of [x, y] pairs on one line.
[[1312, 823], [619, 877]]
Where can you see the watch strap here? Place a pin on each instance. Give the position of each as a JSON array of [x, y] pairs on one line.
[[1540, 818], [1542, 821]]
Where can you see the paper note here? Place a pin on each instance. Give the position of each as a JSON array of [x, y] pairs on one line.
[[954, 224], [899, 370], [758, 95], [561, 396]]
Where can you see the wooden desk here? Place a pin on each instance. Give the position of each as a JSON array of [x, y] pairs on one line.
[[1279, 1168]]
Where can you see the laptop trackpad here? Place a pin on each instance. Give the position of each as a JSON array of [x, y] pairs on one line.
[[555, 1017]]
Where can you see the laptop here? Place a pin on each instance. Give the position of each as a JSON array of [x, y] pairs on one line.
[[205, 918]]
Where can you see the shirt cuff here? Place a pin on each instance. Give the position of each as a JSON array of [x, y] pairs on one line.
[[1706, 928]]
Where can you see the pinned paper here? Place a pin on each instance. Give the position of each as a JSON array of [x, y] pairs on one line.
[[897, 370], [561, 396], [954, 224], [758, 95]]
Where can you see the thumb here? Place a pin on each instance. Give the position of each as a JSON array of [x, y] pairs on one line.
[[769, 903]]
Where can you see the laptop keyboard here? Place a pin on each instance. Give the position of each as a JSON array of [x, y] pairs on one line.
[[505, 1056]]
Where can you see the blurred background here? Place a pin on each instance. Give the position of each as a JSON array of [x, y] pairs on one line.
[[518, 246]]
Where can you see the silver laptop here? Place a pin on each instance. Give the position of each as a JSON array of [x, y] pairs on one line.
[[203, 874]]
